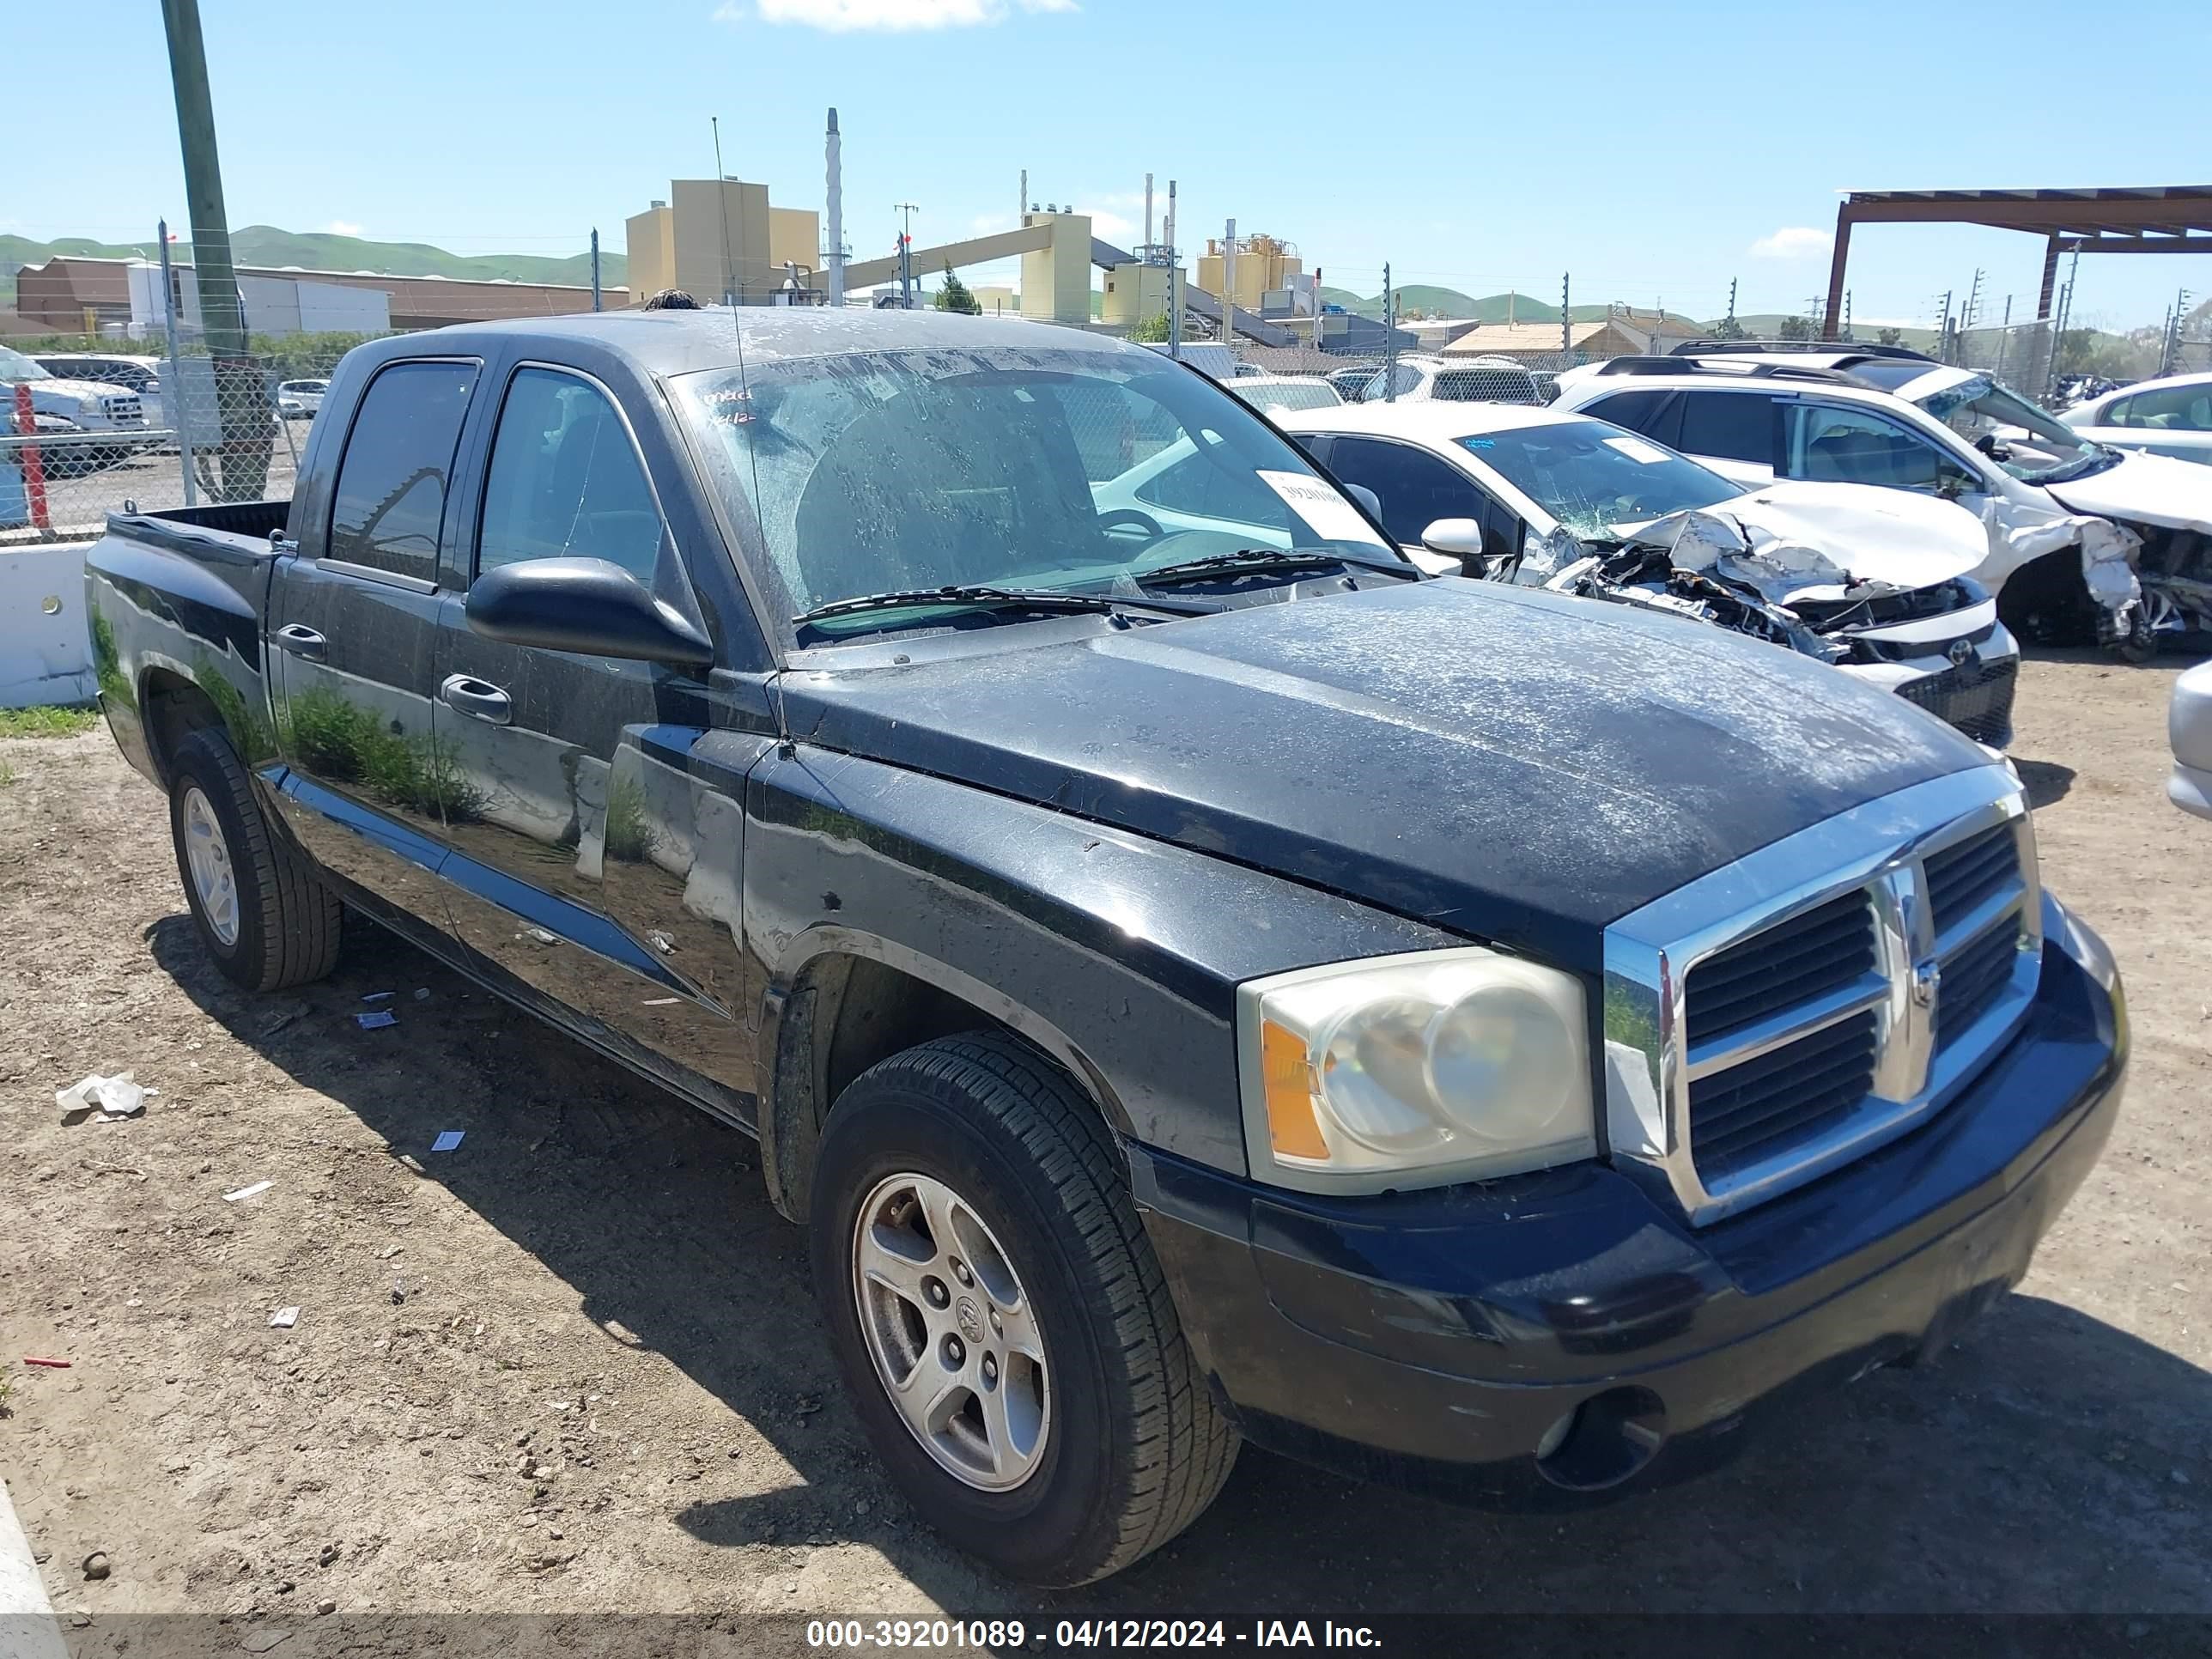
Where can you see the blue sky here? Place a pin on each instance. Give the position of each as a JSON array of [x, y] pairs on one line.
[[1675, 149]]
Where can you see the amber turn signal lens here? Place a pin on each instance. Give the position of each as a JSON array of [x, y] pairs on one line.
[[1289, 1083]]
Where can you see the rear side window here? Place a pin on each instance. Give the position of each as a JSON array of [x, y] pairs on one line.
[[566, 481], [1644, 411], [1734, 426], [391, 495]]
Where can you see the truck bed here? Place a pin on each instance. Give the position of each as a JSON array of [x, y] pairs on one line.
[[226, 529]]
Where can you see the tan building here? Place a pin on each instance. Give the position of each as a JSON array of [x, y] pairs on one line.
[[1134, 292], [1627, 333], [997, 300], [1263, 263], [720, 240]]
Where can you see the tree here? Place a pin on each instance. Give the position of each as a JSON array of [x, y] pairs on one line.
[[1729, 329], [1891, 337], [1150, 331], [1795, 328], [955, 296]]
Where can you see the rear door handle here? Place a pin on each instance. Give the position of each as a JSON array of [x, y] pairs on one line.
[[480, 700], [301, 641]]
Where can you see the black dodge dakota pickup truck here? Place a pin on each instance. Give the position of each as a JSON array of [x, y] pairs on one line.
[[1196, 977]]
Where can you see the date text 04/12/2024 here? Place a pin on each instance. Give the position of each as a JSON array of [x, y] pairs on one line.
[[999, 1634]]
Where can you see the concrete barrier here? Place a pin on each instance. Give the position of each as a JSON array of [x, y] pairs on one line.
[[46, 651]]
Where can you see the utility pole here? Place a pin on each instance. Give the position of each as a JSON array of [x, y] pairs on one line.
[[1727, 329], [1148, 213], [1943, 329], [1175, 281], [240, 401], [1973, 313], [174, 408], [907, 211], [1228, 287], [1847, 313], [833, 162], [1566, 326], [1023, 211], [1389, 338], [596, 304]]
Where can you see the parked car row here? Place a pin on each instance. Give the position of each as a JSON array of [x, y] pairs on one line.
[[1195, 976]]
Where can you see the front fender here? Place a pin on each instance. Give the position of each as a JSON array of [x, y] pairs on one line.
[[1118, 955]]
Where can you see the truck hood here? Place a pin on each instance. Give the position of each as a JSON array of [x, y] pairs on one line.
[[1513, 765], [2143, 490]]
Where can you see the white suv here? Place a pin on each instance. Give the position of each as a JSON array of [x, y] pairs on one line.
[[2069, 521], [1420, 378]]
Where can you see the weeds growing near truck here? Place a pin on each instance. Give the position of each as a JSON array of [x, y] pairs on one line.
[[349, 744], [47, 722]]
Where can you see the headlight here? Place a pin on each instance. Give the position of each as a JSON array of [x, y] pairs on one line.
[[87, 405], [1413, 1071]]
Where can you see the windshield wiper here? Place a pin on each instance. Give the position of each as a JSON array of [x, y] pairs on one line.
[[1250, 559], [998, 598]]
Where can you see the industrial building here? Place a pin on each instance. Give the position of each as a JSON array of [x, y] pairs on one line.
[[71, 294], [719, 240]]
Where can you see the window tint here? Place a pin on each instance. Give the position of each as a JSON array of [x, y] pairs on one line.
[[391, 495], [1484, 386], [1829, 444], [1415, 488], [2174, 409], [1639, 412], [1733, 426], [566, 481]]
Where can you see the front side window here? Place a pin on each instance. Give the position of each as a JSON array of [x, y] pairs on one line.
[[1594, 477], [1073, 470], [1831, 443], [1416, 488], [2013, 432], [390, 499], [566, 481]]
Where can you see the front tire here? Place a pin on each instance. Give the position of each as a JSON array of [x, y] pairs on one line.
[[255, 901], [1003, 1327]]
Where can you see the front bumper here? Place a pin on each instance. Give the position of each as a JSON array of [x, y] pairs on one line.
[[1975, 694], [1539, 1340]]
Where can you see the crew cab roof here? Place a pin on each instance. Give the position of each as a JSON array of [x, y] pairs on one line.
[[680, 341]]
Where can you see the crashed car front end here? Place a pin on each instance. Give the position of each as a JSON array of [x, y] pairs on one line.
[[1940, 645]]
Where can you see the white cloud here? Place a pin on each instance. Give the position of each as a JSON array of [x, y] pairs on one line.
[[850, 16], [1791, 242], [342, 227]]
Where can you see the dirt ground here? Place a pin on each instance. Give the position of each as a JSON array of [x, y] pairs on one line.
[[574, 1366]]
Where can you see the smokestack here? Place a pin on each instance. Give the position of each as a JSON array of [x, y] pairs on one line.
[[1022, 212], [1148, 209], [835, 205]]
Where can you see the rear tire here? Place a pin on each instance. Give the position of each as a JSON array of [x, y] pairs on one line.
[[985, 1133], [260, 911]]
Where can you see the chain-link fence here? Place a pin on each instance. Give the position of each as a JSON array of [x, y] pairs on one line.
[[92, 424]]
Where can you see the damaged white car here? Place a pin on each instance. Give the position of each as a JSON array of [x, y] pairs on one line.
[[1876, 583], [2086, 542]]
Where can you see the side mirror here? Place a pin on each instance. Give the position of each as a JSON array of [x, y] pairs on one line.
[[1462, 538], [1367, 498], [2188, 731], [588, 606]]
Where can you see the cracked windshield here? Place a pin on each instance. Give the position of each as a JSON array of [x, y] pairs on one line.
[[2015, 434], [1065, 473], [1594, 479]]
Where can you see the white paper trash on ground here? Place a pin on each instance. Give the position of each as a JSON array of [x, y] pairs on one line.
[[284, 1319], [254, 1191], [111, 1096]]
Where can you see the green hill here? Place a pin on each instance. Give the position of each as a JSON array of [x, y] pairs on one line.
[[265, 245]]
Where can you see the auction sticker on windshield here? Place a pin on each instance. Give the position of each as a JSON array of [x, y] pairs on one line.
[[1636, 450], [1327, 513]]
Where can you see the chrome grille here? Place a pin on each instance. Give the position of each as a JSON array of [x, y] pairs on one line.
[[1792, 1011], [123, 409], [1808, 956]]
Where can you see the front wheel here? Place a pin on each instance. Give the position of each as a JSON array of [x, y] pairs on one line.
[[1000, 1320]]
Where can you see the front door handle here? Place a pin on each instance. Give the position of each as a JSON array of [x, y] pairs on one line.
[[480, 700], [301, 641]]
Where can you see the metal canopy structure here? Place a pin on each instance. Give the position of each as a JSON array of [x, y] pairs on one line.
[[2162, 219]]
